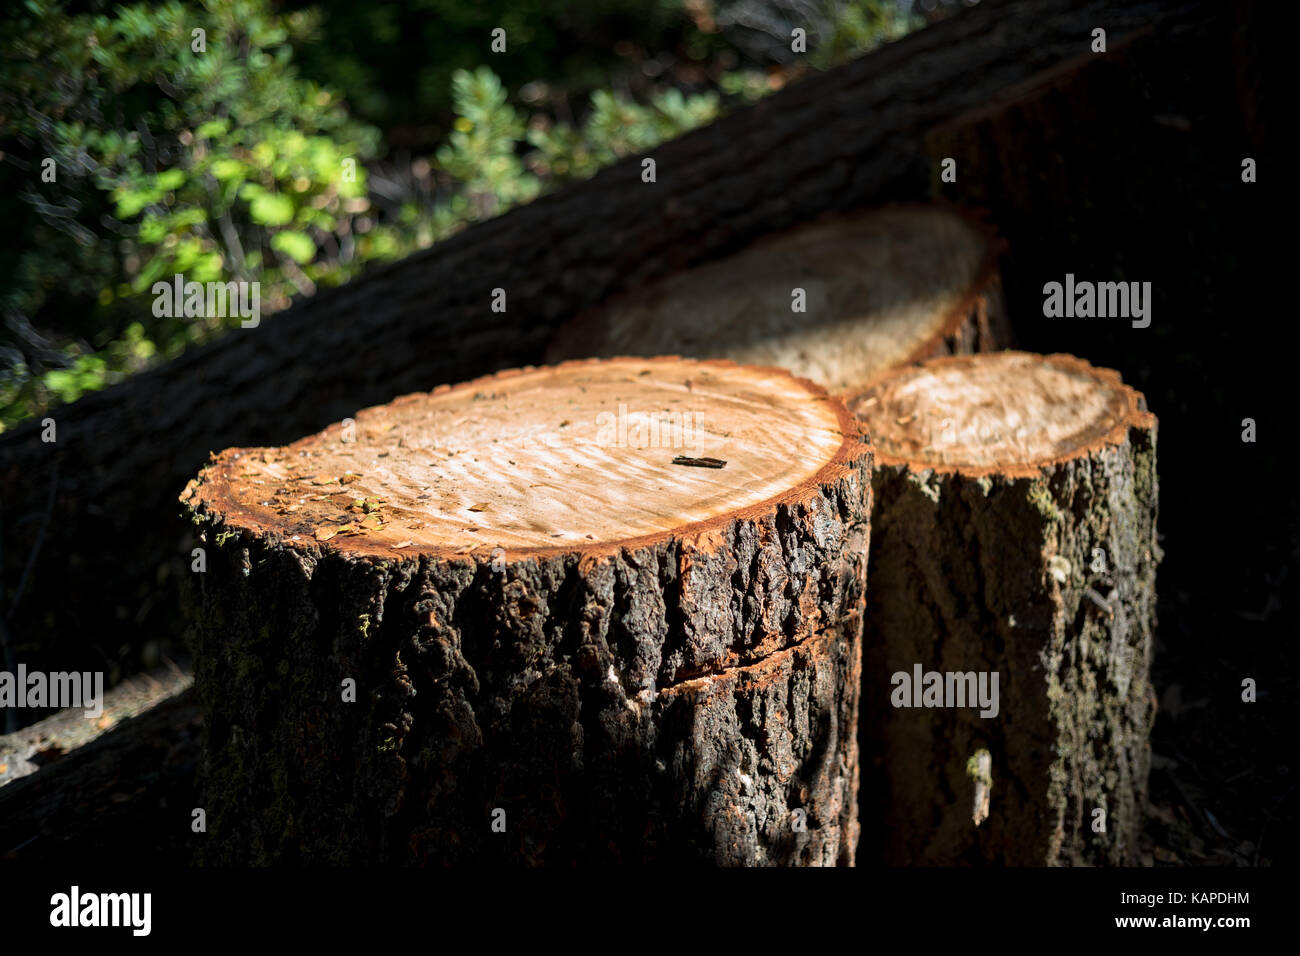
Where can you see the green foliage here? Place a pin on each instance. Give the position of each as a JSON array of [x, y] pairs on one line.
[[222, 162], [616, 127], [214, 160], [860, 26], [394, 60], [487, 158], [480, 153]]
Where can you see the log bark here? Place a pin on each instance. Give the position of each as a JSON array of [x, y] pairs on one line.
[[106, 574], [50, 740], [1013, 533], [554, 619], [126, 795], [876, 289]]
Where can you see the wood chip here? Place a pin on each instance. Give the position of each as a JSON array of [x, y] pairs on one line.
[[699, 462]]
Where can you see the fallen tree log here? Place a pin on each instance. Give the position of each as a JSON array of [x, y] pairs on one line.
[[1007, 698], [127, 795], [101, 564], [603, 611], [67, 731], [838, 301]]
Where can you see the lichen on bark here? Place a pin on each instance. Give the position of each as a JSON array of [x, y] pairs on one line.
[[962, 580]]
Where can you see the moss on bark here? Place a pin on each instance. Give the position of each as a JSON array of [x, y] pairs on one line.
[[1001, 574]]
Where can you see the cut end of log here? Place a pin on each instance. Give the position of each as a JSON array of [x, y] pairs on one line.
[[628, 528], [879, 288], [581, 456], [1008, 413]]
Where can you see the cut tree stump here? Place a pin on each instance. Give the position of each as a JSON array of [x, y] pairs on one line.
[[877, 289], [91, 515], [570, 642], [1014, 532]]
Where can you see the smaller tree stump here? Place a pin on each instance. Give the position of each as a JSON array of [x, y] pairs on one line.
[[1013, 533], [597, 612], [880, 288]]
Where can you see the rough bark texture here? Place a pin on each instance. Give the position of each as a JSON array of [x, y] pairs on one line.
[[879, 288], [673, 699], [107, 571], [976, 571]]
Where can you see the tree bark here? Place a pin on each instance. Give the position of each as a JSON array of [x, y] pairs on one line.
[[556, 622], [105, 576], [1013, 533], [127, 795], [838, 301]]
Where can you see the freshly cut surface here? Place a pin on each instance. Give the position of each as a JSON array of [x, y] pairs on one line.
[[600, 612], [881, 287], [1002, 413], [581, 454], [1013, 535]]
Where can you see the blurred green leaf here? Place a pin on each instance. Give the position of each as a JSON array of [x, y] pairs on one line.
[[271, 209], [296, 245]]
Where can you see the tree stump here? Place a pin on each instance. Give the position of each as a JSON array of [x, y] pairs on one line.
[[602, 611], [838, 301], [1013, 533], [91, 517]]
